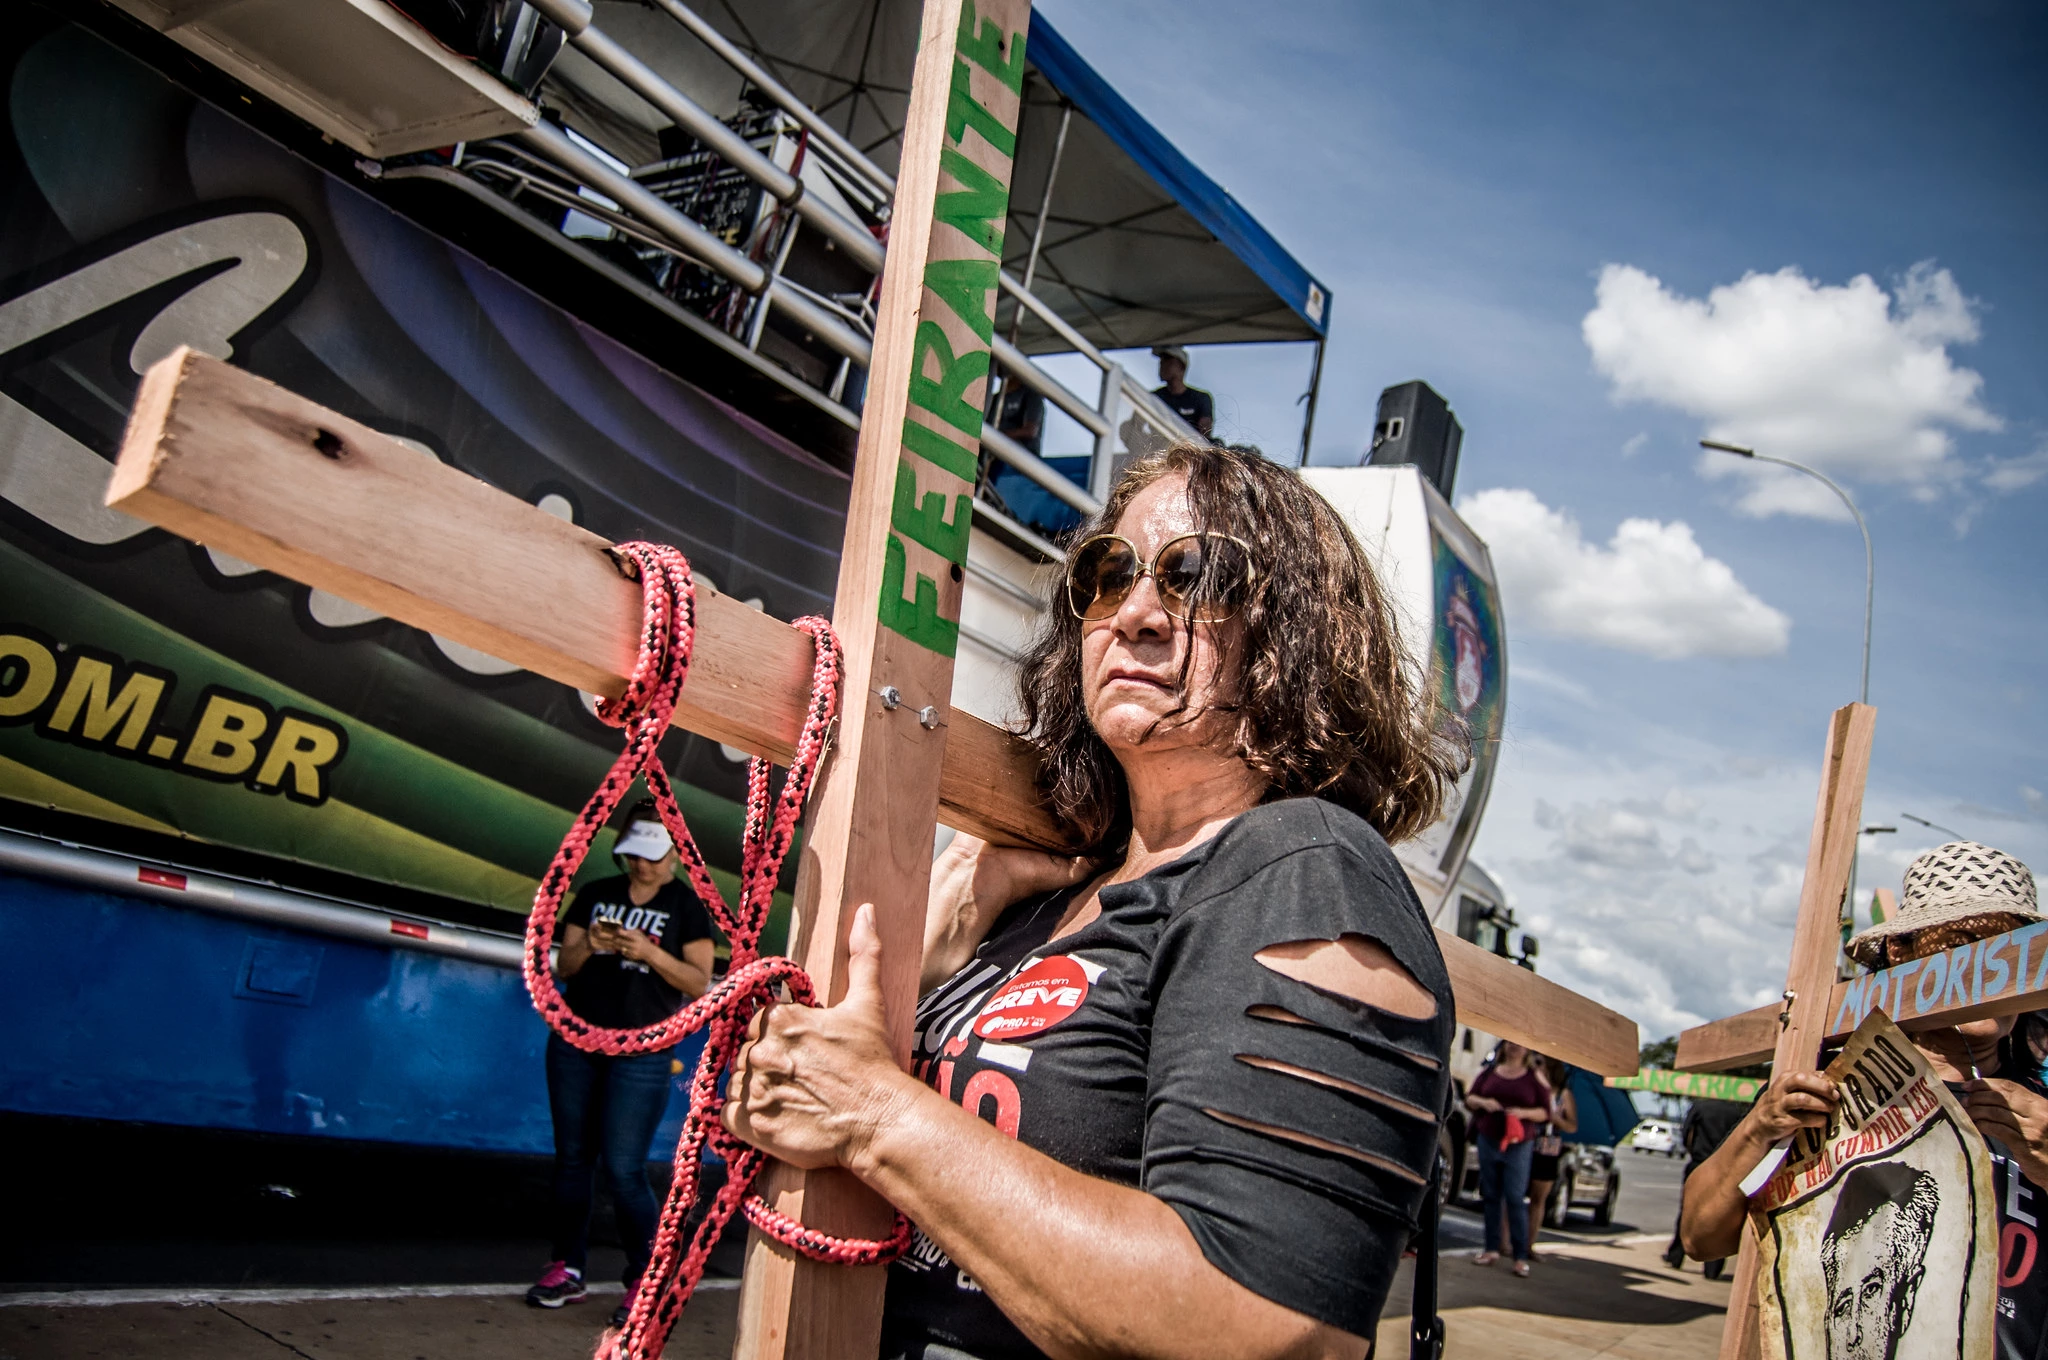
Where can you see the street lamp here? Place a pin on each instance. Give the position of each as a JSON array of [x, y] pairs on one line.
[[1869, 559], [1869, 595], [1935, 826]]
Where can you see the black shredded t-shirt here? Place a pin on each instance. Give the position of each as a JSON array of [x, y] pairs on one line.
[[1119, 1050], [612, 991]]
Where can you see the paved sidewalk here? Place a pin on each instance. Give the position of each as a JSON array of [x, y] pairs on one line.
[[458, 1327], [1587, 1299], [1583, 1299]]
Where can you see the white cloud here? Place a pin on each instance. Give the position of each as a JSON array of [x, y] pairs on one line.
[[2014, 474], [1662, 869], [1650, 590], [1642, 902], [1846, 377], [1603, 838]]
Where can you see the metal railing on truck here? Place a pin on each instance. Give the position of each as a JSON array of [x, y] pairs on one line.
[[728, 255]]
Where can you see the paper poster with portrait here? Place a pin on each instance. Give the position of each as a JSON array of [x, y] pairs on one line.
[[1878, 1235]]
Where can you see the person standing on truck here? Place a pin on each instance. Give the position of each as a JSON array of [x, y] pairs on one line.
[[633, 949], [1191, 404]]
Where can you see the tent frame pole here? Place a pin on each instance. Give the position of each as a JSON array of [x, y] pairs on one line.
[[1315, 388], [1052, 174]]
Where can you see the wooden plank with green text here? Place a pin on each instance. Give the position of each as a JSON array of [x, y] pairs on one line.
[[897, 612]]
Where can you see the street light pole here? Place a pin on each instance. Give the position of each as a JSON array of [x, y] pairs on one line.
[[1869, 558], [1935, 826], [1869, 596]]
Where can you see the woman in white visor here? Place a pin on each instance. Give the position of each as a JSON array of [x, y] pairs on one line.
[[633, 949]]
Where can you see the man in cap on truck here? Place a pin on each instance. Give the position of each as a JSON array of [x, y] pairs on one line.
[[1191, 404]]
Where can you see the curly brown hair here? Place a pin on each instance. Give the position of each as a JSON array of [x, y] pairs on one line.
[[1326, 703]]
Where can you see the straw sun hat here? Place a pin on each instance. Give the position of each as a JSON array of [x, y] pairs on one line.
[[1968, 887]]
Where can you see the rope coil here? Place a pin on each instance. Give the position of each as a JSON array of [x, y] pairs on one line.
[[643, 711]]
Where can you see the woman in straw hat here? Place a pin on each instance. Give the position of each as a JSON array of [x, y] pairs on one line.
[[1959, 893]]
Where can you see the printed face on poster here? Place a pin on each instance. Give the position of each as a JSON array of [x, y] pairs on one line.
[[1878, 1237]]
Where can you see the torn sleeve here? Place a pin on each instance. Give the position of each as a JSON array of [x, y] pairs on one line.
[[1293, 1128]]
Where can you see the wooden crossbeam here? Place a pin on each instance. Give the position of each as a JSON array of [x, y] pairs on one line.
[[223, 457], [1816, 938], [1504, 999], [2003, 975]]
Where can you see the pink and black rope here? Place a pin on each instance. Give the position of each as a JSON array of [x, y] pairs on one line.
[[668, 630]]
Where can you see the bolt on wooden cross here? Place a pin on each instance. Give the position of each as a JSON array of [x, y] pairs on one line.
[[225, 458]]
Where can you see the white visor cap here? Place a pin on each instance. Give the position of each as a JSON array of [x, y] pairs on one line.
[[647, 840]]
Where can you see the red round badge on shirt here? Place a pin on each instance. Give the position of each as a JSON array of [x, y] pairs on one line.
[[1035, 1000]]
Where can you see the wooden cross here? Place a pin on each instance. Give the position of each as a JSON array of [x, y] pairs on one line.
[[227, 459], [2002, 975]]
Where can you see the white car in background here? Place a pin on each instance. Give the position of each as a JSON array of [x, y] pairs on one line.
[[1654, 1135]]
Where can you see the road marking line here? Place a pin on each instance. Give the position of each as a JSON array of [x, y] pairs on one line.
[[108, 1298]]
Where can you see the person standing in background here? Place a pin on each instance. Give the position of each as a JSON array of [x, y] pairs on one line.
[[633, 949], [1191, 404], [1707, 1125], [1549, 1150], [1512, 1102]]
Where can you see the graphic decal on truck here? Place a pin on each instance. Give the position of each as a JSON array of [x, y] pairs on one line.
[[195, 697], [97, 700]]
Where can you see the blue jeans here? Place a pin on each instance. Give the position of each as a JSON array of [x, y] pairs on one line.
[[1504, 1180], [605, 1109]]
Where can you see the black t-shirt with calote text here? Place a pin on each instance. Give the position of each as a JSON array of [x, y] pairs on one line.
[[612, 991], [1152, 1049]]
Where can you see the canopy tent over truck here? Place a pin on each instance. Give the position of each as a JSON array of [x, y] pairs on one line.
[[1113, 237]]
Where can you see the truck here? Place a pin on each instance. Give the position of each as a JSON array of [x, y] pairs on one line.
[[265, 856]]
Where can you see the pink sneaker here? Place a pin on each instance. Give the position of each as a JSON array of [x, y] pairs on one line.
[[625, 1308], [557, 1285]]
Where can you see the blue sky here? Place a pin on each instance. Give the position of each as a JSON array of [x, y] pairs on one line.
[[1461, 175]]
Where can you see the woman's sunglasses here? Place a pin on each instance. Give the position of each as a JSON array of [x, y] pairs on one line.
[[1201, 578]]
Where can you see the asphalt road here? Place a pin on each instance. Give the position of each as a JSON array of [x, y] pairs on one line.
[[1650, 1187]]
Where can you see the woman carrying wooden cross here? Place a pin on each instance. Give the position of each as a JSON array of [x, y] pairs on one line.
[[1179, 1096], [1958, 893]]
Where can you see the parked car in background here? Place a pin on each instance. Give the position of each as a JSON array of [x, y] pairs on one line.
[[1655, 1135], [1587, 1177]]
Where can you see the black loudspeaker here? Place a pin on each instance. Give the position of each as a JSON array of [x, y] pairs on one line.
[[506, 37], [1415, 425]]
